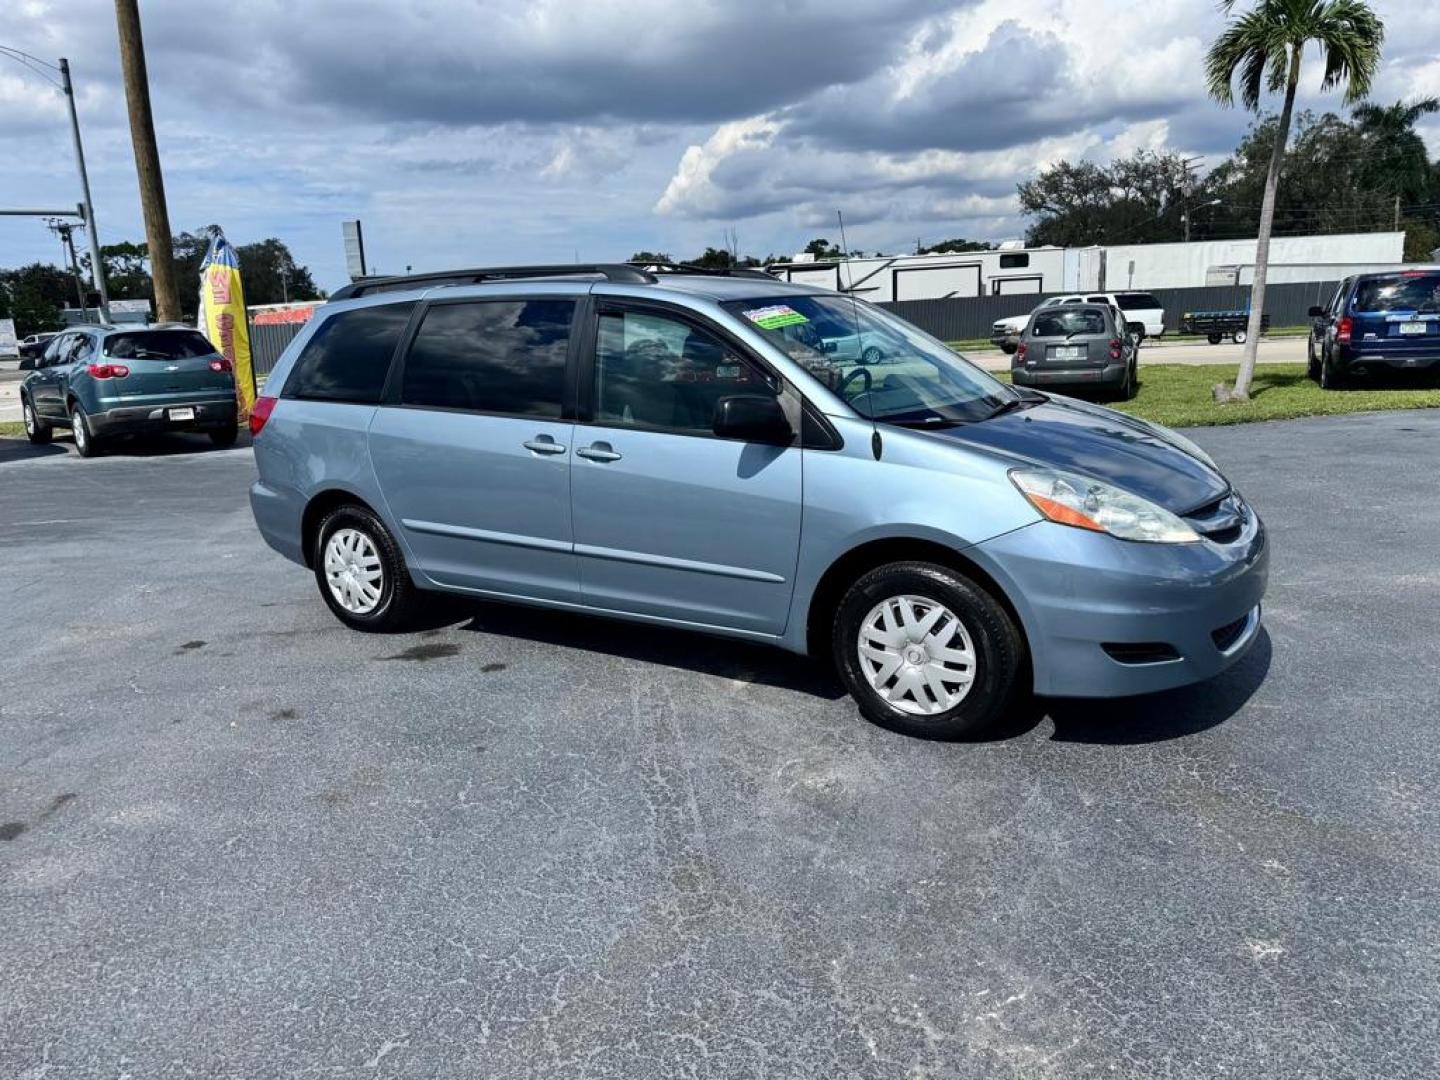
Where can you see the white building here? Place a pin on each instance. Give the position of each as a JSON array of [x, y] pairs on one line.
[[1014, 269]]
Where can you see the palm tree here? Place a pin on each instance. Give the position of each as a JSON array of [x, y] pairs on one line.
[[1399, 163], [1264, 46]]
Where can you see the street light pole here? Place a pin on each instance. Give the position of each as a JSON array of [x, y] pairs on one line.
[[97, 268]]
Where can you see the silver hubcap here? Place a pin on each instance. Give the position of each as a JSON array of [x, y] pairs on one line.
[[77, 425], [352, 570], [917, 655], [29, 417]]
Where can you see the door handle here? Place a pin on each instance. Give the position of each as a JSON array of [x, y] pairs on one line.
[[599, 451], [543, 444]]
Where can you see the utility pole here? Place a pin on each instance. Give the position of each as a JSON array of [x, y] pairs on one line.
[[65, 231], [1188, 163], [1397, 213], [97, 268], [147, 162]]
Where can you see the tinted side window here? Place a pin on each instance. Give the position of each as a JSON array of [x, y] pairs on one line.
[[493, 356], [56, 350], [349, 356], [84, 349], [1010, 262]]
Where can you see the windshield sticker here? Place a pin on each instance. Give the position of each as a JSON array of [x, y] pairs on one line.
[[775, 316]]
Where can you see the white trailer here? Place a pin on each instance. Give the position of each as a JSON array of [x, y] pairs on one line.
[[1232, 262], [1004, 272]]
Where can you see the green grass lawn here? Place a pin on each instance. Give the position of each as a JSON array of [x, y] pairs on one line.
[[1179, 395]]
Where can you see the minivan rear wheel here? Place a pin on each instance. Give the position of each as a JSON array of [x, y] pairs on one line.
[[361, 573], [926, 651]]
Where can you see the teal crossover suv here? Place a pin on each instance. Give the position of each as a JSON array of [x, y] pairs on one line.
[[104, 381]]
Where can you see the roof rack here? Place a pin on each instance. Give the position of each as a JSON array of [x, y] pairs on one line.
[[620, 272], [637, 273]]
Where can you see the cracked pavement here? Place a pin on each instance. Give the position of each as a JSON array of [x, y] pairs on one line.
[[237, 839]]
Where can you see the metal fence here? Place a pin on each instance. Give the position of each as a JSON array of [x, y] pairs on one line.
[[966, 318]]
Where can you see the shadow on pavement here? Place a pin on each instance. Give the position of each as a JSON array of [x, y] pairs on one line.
[[687, 650], [130, 446], [23, 449]]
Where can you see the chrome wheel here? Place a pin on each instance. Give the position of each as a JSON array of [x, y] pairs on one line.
[[353, 571], [77, 427], [916, 654], [29, 415]]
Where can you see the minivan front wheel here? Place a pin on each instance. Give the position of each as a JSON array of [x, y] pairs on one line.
[[361, 572], [926, 651]]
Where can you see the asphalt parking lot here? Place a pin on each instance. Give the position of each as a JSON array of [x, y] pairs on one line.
[[237, 839]]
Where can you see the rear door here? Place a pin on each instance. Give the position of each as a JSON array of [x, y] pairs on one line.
[[1397, 317], [166, 367], [671, 521], [472, 446]]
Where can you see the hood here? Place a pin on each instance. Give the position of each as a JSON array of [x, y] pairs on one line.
[[1110, 446]]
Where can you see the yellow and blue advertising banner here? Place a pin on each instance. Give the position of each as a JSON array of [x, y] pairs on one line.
[[222, 316]]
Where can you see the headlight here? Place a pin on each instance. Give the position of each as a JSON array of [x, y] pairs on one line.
[[1069, 499]]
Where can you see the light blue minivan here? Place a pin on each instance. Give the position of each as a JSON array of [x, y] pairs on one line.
[[660, 444]]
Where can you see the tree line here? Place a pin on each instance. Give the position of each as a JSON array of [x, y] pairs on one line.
[[33, 295], [1365, 172]]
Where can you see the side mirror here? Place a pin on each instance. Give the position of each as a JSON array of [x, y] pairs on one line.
[[27, 363], [1317, 313], [830, 346], [756, 418]]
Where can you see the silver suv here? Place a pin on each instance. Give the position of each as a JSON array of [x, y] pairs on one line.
[[662, 445]]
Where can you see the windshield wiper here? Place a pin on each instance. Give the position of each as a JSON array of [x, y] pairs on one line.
[[930, 423]]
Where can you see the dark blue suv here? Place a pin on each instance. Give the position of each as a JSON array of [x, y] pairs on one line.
[[1376, 323]]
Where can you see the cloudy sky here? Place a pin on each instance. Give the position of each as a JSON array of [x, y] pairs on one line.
[[474, 131]]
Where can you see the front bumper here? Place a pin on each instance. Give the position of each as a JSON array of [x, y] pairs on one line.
[[136, 419], [1109, 375], [1078, 591]]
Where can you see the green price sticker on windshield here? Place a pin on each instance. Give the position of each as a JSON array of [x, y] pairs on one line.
[[775, 316]]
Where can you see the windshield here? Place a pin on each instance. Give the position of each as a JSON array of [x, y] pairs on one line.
[[1408, 292], [157, 345], [1136, 301], [883, 367]]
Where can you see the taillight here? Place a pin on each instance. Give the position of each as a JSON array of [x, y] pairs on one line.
[[1020, 351], [1344, 329], [1115, 345], [107, 371], [259, 413], [221, 365]]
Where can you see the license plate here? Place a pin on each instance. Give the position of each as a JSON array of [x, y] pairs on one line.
[[1068, 352], [180, 414], [1413, 327]]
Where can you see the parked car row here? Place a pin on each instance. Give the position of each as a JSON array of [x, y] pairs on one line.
[[106, 381]]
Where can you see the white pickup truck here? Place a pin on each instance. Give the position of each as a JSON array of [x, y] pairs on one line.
[[1142, 311]]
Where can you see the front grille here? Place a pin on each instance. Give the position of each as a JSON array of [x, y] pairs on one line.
[[1142, 652], [1227, 635]]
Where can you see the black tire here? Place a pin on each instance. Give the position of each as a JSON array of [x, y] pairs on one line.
[[1312, 367], [1330, 377], [998, 648], [1214, 339], [1239, 337], [36, 430], [1010, 348], [225, 436], [86, 444], [872, 355], [398, 600]]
